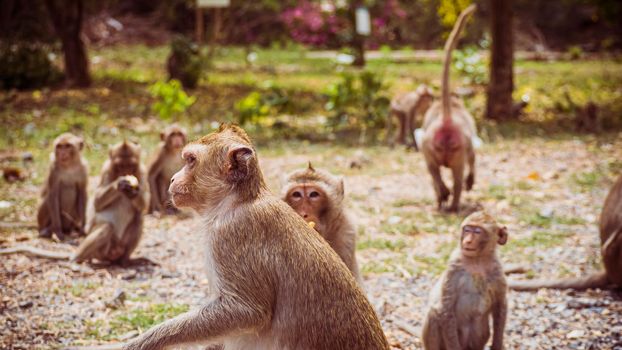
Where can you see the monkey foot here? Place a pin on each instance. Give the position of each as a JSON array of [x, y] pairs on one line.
[[470, 180]]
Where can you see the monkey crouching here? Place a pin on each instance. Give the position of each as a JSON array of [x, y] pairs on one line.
[[472, 289]]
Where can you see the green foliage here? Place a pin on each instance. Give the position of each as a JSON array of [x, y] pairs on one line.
[[448, 10], [26, 66], [185, 62], [270, 100], [575, 52], [357, 99], [171, 99], [471, 64]]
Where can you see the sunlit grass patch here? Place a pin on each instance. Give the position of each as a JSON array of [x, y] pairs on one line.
[[142, 319], [381, 244], [540, 239]]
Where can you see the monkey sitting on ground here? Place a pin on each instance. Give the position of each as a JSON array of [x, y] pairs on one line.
[[611, 249], [116, 214], [469, 291], [448, 132], [318, 196], [63, 205], [166, 163], [406, 108], [275, 284]]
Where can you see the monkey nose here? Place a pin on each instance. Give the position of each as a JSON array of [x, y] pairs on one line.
[[305, 215]]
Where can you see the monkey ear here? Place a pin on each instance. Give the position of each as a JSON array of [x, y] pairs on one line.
[[80, 143], [239, 158], [162, 136], [503, 235], [340, 189]]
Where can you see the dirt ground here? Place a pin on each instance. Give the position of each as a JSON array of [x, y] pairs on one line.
[[548, 193]]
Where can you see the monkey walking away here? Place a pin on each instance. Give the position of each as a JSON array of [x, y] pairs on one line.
[[610, 247], [166, 163], [63, 199], [115, 215], [275, 284], [471, 290], [406, 108], [318, 197], [448, 131]]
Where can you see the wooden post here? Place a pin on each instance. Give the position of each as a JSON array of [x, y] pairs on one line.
[[217, 22], [199, 29]]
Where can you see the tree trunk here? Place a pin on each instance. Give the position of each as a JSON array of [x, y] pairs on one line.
[[501, 84], [67, 20]]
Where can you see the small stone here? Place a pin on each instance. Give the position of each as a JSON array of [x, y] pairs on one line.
[[26, 304]]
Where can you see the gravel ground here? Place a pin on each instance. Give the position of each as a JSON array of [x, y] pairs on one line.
[[533, 187]]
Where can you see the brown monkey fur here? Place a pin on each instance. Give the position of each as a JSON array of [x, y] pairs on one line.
[[471, 290], [318, 196], [406, 108], [116, 214], [611, 250], [276, 284], [63, 204], [448, 130], [165, 164]]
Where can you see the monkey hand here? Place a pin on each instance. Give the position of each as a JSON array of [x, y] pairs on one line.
[[128, 185]]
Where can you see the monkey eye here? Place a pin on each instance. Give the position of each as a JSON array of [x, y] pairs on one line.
[[191, 159], [297, 194], [314, 194], [473, 229]]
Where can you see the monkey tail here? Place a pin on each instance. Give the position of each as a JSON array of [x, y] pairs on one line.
[[449, 47], [595, 280], [42, 253]]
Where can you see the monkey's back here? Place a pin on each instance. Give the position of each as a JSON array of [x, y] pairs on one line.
[[317, 304]]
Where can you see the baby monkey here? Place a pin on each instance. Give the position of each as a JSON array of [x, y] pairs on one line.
[[318, 196], [469, 291]]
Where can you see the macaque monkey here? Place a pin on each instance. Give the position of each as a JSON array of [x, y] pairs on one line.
[[611, 250], [318, 196], [116, 214], [166, 163], [448, 132], [63, 206], [406, 108], [471, 290], [275, 283]]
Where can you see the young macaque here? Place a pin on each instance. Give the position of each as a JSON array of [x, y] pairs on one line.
[[448, 132], [63, 205], [275, 284], [166, 163], [611, 250], [318, 196], [471, 290], [116, 214], [406, 108]]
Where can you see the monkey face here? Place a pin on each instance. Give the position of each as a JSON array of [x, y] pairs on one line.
[[67, 147], [64, 152], [474, 240], [174, 137], [308, 201]]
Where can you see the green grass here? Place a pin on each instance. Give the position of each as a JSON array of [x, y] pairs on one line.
[[132, 320], [381, 244], [540, 239]]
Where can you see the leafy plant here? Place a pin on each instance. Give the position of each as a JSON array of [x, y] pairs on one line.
[[268, 101], [470, 63], [171, 99], [357, 100]]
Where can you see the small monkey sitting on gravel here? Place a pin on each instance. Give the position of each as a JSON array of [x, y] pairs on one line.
[[469, 291]]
